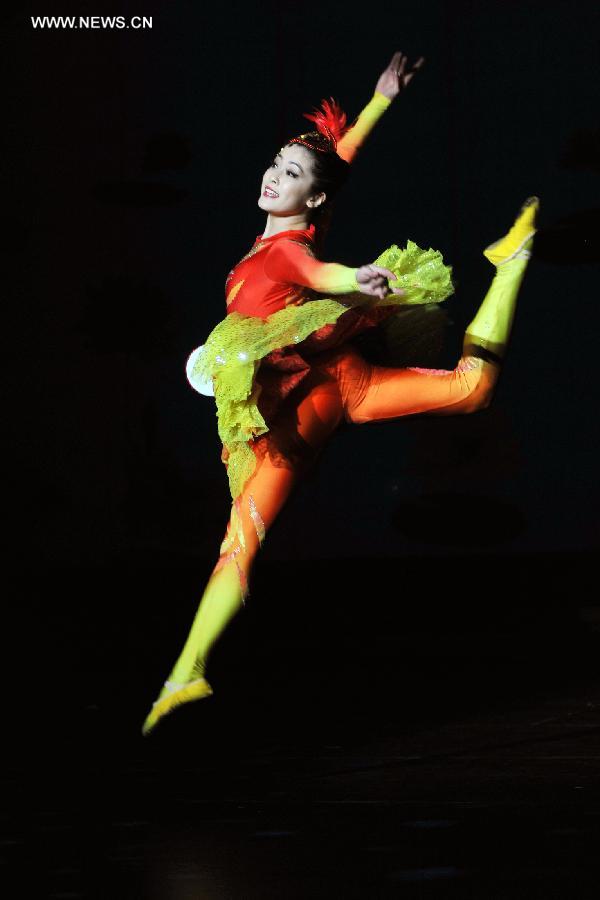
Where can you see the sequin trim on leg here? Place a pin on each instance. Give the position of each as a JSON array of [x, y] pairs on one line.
[[257, 519], [226, 558]]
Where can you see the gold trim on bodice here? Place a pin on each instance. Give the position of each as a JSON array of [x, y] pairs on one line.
[[233, 292]]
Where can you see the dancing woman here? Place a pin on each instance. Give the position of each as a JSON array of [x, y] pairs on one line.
[[281, 364]]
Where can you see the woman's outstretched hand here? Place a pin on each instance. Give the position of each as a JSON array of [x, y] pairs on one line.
[[374, 281], [395, 78]]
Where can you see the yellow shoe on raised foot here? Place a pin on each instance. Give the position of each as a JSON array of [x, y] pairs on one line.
[[173, 695], [513, 243]]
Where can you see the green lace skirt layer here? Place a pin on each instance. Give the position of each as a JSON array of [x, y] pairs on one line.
[[235, 347]]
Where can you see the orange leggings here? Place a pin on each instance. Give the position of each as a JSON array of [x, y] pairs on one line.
[[342, 385]]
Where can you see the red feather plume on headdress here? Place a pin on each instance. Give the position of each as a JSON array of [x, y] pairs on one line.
[[330, 120]]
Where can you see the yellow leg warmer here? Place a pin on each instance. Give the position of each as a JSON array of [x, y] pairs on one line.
[[222, 599]]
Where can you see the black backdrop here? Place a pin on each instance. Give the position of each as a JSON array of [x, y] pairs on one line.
[[135, 159], [410, 692]]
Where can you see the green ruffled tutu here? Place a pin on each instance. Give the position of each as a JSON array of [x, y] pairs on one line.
[[234, 349]]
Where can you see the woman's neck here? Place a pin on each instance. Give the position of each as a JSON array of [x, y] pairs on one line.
[[276, 224]]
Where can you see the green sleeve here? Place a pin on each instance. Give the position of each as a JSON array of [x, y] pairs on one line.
[[366, 121]]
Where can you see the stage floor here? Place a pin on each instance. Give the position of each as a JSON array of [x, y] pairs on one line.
[[361, 762]]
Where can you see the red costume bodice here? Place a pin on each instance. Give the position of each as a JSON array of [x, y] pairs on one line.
[[251, 289], [281, 270]]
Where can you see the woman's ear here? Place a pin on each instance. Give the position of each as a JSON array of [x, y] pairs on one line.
[[316, 201]]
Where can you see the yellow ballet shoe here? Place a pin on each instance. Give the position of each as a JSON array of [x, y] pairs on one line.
[[513, 243], [173, 695]]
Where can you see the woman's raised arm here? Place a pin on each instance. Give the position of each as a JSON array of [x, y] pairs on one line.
[[392, 81]]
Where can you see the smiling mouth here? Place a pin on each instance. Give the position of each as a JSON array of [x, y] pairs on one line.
[[269, 192]]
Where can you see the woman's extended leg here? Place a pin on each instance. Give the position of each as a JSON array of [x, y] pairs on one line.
[[307, 423]]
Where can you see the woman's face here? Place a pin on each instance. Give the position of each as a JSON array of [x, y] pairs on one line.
[[286, 188]]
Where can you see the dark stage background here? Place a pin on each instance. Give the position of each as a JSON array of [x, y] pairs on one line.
[[138, 160], [449, 561]]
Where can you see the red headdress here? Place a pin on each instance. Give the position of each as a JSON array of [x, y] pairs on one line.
[[331, 126]]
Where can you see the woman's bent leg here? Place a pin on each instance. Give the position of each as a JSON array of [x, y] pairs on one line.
[[375, 393]]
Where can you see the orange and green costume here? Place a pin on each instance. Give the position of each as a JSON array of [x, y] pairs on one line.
[[285, 376]]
